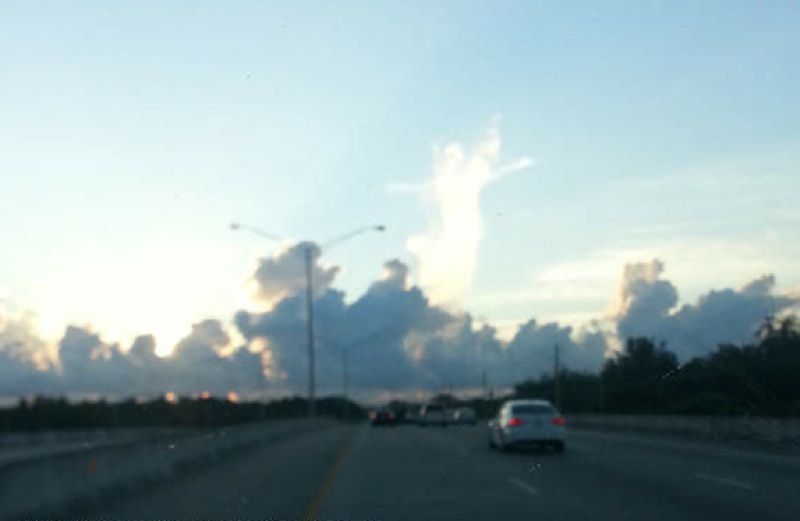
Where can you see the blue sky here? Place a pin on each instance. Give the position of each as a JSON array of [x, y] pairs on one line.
[[131, 133]]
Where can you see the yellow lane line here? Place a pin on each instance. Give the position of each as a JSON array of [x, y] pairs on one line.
[[330, 477]]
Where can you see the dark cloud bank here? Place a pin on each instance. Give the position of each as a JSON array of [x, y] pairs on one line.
[[395, 338]]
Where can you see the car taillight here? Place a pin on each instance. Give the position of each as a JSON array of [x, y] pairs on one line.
[[515, 422], [559, 421]]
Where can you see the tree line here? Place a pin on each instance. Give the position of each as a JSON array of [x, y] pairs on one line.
[[58, 413], [759, 379]]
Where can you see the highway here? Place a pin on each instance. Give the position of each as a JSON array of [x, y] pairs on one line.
[[406, 472]]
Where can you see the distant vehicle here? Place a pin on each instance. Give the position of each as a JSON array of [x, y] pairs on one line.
[[412, 415], [465, 416], [379, 417], [527, 423], [433, 414]]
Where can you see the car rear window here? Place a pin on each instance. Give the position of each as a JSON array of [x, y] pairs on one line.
[[531, 409]]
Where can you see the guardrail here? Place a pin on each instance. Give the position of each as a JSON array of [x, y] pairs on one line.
[[21, 446], [10, 440], [769, 430]]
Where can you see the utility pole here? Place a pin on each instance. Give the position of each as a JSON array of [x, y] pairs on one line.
[[485, 408], [262, 406], [602, 394], [312, 409], [345, 385], [557, 379], [346, 375]]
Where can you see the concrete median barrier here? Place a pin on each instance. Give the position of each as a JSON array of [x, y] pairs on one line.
[[767, 430], [57, 484]]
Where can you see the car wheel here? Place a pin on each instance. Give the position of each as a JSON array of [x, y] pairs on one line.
[[503, 446]]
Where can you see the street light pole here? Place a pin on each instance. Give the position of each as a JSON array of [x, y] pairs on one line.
[[346, 375], [310, 326], [309, 268], [557, 378]]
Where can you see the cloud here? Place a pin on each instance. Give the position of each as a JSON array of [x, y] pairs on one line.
[[447, 253], [83, 364], [143, 350], [283, 275], [643, 301], [88, 365], [372, 329], [399, 336], [522, 163], [395, 337], [456, 356], [760, 286], [24, 361], [646, 306], [532, 350], [199, 363]]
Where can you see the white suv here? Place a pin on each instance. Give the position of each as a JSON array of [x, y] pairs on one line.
[[433, 414], [465, 415]]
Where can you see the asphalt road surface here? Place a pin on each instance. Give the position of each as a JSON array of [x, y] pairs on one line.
[[359, 472]]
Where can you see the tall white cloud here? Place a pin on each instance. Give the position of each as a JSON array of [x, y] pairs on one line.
[[447, 252]]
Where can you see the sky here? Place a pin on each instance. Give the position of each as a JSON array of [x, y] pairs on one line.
[[520, 155]]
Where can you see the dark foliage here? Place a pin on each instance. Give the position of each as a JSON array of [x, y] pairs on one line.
[[760, 380], [57, 413]]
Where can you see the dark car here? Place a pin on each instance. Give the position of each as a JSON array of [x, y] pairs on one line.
[[382, 417]]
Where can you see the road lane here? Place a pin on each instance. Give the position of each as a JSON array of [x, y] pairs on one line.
[[450, 474], [277, 481], [740, 483], [407, 472]]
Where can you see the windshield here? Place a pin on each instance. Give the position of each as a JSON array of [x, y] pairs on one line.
[[522, 410], [389, 260]]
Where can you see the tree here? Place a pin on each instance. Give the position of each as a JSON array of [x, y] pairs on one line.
[[634, 381]]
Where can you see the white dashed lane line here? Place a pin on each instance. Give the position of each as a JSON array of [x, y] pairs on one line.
[[721, 480], [524, 486]]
